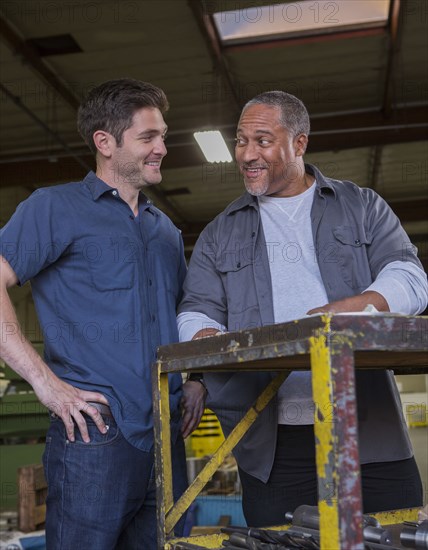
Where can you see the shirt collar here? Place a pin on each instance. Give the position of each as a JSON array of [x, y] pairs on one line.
[[249, 200], [98, 187]]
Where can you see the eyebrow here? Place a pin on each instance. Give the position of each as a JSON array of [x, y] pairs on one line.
[[153, 131], [260, 131]]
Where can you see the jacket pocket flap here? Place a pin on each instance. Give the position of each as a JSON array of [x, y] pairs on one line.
[[232, 262], [353, 236]]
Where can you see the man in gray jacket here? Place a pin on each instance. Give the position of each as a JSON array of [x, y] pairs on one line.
[[299, 243]]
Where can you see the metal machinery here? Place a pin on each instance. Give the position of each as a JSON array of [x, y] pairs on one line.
[[333, 345]]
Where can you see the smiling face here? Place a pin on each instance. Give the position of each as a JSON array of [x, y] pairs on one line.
[[269, 157], [137, 161]]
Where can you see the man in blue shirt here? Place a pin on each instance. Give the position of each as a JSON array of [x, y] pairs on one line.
[[106, 269]]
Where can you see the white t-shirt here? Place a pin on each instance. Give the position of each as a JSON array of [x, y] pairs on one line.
[[297, 286]]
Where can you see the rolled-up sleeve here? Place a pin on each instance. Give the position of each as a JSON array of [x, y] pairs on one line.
[[191, 322], [404, 286]]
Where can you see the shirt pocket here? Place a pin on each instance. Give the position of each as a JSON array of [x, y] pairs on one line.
[[112, 261], [238, 280], [351, 247]]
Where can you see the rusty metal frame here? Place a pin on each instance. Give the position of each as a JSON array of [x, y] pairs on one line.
[[333, 345]]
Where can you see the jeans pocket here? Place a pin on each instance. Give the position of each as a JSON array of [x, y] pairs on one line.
[[98, 438]]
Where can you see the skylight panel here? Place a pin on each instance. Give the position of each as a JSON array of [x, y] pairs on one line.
[[307, 17]]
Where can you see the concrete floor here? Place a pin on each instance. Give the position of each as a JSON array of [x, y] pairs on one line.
[[419, 437]]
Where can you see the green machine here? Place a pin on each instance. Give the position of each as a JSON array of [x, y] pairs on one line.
[[23, 425]]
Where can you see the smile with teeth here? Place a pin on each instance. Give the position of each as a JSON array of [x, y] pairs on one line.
[[153, 163], [253, 171]]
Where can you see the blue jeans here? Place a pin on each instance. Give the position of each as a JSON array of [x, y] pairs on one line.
[[102, 494]]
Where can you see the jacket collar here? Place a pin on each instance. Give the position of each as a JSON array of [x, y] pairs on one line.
[[246, 199]]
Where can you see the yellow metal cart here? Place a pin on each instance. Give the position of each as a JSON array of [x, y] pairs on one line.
[[333, 345]]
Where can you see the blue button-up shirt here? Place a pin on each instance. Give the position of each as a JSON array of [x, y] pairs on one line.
[[106, 285]]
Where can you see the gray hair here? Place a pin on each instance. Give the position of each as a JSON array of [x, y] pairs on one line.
[[294, 115]]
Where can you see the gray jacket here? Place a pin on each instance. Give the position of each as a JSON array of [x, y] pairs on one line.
[[355, 234]]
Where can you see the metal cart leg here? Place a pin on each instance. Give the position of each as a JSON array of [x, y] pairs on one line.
[[338, 466], [162, 445]]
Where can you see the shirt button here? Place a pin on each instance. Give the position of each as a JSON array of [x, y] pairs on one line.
[[114, 193], [357, 241], [131, 216], [153, 318], [150, 282]]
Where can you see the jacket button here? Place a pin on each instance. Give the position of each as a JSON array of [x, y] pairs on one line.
[[357, 241], [238, 265]]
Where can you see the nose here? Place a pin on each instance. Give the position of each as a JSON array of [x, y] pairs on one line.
[[247, 153], [160, 147]]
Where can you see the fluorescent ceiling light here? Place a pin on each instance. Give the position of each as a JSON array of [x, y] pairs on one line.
[[299, 19], [213, 146]]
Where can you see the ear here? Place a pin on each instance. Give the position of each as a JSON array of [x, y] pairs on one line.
[[104, 143], [300, 144]]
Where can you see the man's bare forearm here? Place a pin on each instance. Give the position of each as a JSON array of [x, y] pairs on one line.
[[15, 349]]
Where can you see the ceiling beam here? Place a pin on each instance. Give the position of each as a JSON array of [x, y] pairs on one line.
[[413, 210], [369, 136], [209, 33], [32, 59], [395, 28], [395, 25], [18, 102], [369, 119], [375, 167], [368, 129]]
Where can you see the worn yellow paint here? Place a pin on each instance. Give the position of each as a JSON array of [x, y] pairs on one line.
[[166, 441], [207, 541], [397, 516], [322, 392], [225, 448], [324, 434], [329, 525]]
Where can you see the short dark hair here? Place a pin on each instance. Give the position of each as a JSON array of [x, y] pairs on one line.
[[111, 107], [294, 115]]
